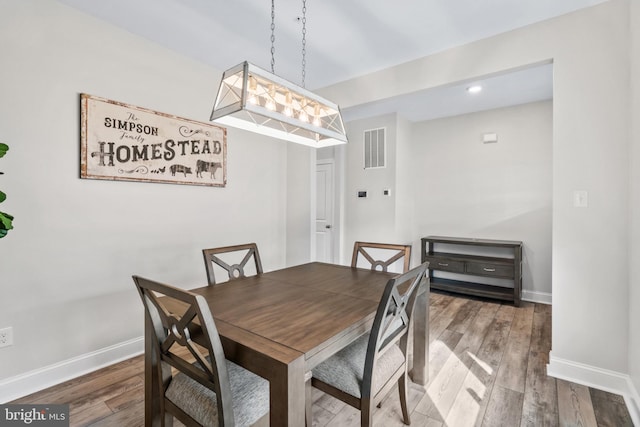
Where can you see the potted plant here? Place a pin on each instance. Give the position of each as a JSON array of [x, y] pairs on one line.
[[5, 218]]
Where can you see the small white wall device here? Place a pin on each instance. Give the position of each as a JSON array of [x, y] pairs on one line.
[[489, 138]]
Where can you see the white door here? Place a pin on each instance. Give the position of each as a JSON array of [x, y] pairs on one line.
[[324, 212]]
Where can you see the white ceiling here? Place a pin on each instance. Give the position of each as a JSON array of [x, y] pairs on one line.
[[345, 39], [513, 88]]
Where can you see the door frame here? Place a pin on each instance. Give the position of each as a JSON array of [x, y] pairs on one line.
[[336, 221], [331, 220]]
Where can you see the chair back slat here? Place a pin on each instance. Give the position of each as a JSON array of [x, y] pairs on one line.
[[177, 316], [381, 256], [392, 320], [235, 270]]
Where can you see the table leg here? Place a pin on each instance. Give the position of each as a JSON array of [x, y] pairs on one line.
[[287, 395], [308, 399], [420, 370]]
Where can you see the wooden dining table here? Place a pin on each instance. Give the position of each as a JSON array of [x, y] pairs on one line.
[[283, 323]]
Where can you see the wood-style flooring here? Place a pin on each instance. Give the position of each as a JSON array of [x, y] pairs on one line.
[[487, 367]]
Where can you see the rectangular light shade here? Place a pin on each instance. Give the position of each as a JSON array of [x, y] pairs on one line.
[[256, 100]]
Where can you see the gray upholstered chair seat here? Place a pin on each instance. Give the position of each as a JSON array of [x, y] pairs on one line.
[[250, 396], [345, 369]]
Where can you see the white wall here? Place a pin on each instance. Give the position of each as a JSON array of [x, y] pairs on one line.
[[301, 184], [497, 191], [66, 268], [370, 219], [591, 128], [407, 189]]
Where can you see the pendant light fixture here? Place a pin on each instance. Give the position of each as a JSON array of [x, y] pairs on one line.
[[256, 100]]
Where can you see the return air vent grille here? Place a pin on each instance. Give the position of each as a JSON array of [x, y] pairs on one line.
[[374, 148]]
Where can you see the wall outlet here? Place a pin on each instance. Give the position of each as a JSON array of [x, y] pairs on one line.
[[6, 337]]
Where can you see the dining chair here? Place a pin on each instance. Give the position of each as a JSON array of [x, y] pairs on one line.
[[203, 388], [372, 251], [365, 371], [234, 268]]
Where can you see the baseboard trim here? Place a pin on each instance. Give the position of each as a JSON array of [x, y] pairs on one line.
[[24, 384], [539, 297], [633, 403], [602, 379]]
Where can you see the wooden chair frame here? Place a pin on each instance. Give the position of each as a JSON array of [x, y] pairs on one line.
[[360, 248], [235, 271], [390, 327], [172, 333]]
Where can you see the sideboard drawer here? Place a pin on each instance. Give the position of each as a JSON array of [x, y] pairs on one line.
[[489, 269], [444, 264]]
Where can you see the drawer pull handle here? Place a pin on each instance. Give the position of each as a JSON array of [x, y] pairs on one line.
[[442, 264], [489, 269]]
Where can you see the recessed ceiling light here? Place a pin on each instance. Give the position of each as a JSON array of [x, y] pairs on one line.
[[474, 89]]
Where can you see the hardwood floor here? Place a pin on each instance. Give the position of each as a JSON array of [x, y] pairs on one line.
[[487, 368]]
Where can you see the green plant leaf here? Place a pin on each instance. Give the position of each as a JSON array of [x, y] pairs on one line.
[[6, 221]]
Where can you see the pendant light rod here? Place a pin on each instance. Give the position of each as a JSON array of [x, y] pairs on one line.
[[273, 36], [304, 41]]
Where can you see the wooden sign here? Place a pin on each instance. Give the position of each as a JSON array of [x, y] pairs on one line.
[[123, 142]]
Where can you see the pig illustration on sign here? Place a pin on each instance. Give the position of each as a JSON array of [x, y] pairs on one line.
[[180, 168]]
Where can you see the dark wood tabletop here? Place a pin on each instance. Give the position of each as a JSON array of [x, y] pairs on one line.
[[301, 307], [282, 323]]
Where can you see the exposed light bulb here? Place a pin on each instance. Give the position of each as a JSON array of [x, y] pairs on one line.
[[253, 86], [474, 89], [271, 104], [302, 115], [288, 111], [316, 115]]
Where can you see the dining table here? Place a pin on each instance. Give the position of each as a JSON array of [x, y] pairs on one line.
[[281, 324]]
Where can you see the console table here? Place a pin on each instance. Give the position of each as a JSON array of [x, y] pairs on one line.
[[494, 267]]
